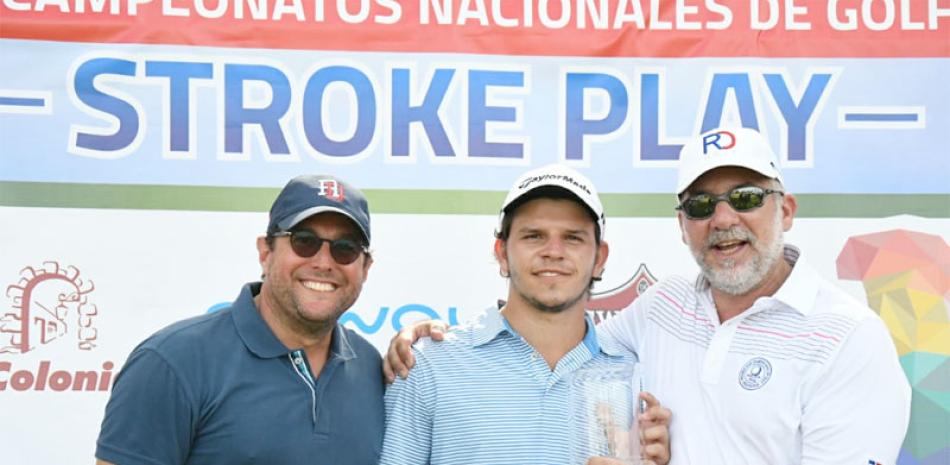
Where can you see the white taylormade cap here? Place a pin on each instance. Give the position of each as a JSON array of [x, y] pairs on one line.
[[742, 147], [557, 176]]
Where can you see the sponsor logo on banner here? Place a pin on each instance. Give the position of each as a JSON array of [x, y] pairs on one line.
[[603, 305], [394, 316], [50, 305]]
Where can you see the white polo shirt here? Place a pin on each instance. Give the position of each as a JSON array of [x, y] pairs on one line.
[[807, 376]]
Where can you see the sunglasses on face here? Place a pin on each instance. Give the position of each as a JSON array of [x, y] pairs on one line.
[[741, 199], [306, 244]]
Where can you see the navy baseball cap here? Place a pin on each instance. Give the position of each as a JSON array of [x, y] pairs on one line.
[[307, 195]]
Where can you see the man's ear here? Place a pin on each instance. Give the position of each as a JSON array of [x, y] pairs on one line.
[[501, 254], [789, 208], [263, 252], [367, 262], [600, 259], [682, 221]]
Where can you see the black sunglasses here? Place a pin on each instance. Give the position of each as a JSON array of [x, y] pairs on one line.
[[741, 199], [306, 244]]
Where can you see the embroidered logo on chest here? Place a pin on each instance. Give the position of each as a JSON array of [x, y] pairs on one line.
[[755, 373]]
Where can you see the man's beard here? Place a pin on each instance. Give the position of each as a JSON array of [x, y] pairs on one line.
[[737, 279], [557, 307]]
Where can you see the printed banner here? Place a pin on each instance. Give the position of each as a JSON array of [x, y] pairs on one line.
[[142, 142]]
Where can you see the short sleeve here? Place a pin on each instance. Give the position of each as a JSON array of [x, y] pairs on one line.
[[150, 417], [410, 405]]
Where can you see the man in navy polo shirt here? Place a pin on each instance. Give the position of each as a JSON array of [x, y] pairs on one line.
[[273, 379]]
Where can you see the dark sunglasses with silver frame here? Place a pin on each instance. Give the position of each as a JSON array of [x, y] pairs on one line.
[[741, 199], [306, 243]]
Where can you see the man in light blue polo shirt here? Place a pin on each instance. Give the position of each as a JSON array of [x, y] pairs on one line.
[[273, 379], [495, 392]]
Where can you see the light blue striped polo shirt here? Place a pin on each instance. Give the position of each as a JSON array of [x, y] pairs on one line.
[[484, 396]]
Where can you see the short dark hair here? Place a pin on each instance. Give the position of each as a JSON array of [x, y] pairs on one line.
[[545, 192]]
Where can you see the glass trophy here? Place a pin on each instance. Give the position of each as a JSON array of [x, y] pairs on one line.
[[603, 413]]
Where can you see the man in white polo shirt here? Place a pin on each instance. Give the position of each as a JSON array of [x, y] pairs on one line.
[[760, 359]]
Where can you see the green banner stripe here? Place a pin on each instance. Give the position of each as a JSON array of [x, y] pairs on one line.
[[253, 199]]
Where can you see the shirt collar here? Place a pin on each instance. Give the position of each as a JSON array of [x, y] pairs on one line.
[[340, 344], [489, 326], [800, 289], [251, 327], [798, 292], [261, 340], [492, 323]]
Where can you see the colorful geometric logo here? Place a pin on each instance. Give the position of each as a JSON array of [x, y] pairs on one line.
[[906, 276]]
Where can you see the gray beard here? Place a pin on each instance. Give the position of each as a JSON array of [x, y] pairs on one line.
[[735, 279]]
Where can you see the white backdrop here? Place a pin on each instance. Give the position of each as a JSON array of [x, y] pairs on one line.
[[150, 268]]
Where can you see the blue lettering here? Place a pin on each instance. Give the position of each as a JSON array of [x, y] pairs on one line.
[[650, 147], [426, 114], [350, 317], [742, 88], [797, 116], [575, 126], [236, 115], [427, 311], [178, 75], [313, 115], [88, 94], [376, 325], [479, 113], [218, 307]]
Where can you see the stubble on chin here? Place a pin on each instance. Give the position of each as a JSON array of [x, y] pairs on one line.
[[556, 307]]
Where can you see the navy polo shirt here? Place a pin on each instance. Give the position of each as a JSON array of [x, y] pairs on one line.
[[222, 389]]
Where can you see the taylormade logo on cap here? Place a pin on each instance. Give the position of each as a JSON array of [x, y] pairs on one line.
[[549, 179], [557, 176]]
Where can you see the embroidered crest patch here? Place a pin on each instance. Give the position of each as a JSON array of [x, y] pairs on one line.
[[755, 373]]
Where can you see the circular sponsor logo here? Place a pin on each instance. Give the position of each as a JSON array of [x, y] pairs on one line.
[[755, 373]]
